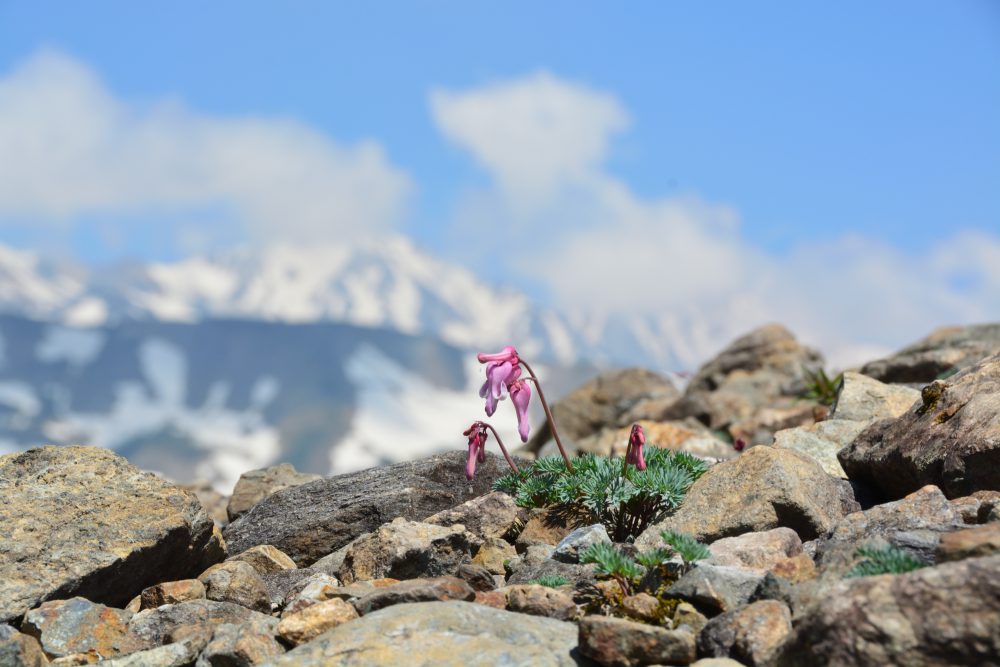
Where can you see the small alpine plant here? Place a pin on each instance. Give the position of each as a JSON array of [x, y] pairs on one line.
[[884, 560]]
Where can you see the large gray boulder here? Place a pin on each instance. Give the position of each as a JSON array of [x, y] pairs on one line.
[[946, 350], [310, 521], [82, 521], [255, 485], [431, 634], [951, 439], [944, 615]]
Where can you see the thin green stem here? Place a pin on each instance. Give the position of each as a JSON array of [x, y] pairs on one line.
[[503, 449], [548, 414]]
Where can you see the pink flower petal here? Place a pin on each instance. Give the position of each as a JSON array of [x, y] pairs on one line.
[[520, 396], [508, 354]]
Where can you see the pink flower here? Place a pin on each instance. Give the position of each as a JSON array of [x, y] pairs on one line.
[[503, 377], [739, 444], [520, 396], [636, 441], [477, 447]]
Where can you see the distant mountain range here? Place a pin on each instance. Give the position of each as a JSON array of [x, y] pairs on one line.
[[333, 358]]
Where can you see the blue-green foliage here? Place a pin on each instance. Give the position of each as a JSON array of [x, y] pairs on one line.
[[610, 562], [689, 549], [884, 560], [550, 580], [624, 499]]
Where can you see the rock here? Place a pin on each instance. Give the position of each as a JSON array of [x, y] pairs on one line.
[[171, 623], [546, 526], [317, 588], [604, 401], [764, 488], [496, 599], [821, 442], [686, 614], [249, 643], [83, 521], [570, 547], [265, 559], [489, 516], [795, 569], [171, 592], [236, 582], [943, 615], [752, 634], [178, 654], [304, 626], [20, 650], [405, 549], [952, 439], [431, 634], [476, 576], [716, 588], [864, 399], [760, 427], [753, 373], [642, 607], [716, 662], [280, 583], [493, 553], [213, 501], [759, 551], [541, 601], [946, 350], [313, 520], [616, 641], [255, 485], [415, 590], [65, 627], [927, 511], [535, 564], [969, 543]]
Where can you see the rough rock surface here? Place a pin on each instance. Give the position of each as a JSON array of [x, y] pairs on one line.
[[237, 582], [717, 588], [415, 590], [493, 553], [756, 550], [171, 592], [752, 634], [754, 372], [943, 615], [570, 547], [970, 543], [616, 641], [764, 488], [946, 350], [265, 559], [305, 625], [492, 515], [951, 440], [162, 625], [250, 643], [404, 549], [821, 441], [865, 399], [310, 521], [431, 634], [20, 650], [255, 485], [177, 654], [83, 521], [605, 401], [64, 627], [540, 601]]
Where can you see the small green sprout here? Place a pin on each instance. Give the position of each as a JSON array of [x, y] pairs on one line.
[[820, 387], [884, 560]]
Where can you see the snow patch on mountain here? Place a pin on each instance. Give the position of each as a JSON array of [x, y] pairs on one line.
[[77, 347]]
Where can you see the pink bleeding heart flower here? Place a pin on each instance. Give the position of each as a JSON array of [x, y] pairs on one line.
[[507, 354], [502, 371], [477, 447], [520, 396], [636, 441]]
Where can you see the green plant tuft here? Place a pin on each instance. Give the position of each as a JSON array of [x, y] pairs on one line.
[[820, 387], [884, 560], [625, 500], [689, 549], [550, 580]]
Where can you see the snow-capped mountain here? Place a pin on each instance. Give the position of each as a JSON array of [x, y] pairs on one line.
[[332, 358]]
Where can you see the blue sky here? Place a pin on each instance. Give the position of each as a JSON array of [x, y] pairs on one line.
[[808, 129]]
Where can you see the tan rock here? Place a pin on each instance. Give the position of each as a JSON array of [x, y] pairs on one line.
[[642, 606], [760, 550], [20, 650], [752, 634], [546, 527], [616, 641], [406, 549], [540, 601], [66, 627], [255, 485], [306, 625], [795, 569], [237, 582], [171, 592], [686, 614], [489, 516], [494, 553], [970, 543], [265, 559]]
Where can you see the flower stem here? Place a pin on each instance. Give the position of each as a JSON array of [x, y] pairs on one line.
[[548, 414], [503, 449]]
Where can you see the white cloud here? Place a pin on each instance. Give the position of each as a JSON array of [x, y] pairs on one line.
[[600, 247], [566, 127], [70, 147]]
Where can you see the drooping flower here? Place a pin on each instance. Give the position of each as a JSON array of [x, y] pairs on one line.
[[503, 369], [520, 396], [636, 441], [477, 447]]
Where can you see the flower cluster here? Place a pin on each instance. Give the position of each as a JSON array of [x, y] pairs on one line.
[[503, 377]]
